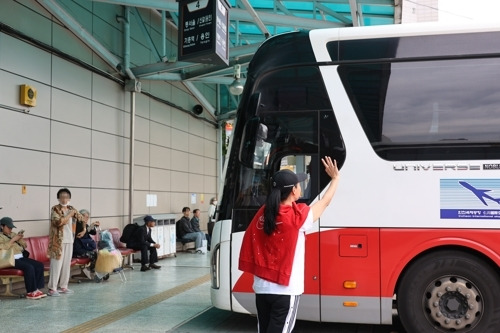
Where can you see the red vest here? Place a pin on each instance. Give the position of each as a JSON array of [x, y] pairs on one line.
[[271, 257]]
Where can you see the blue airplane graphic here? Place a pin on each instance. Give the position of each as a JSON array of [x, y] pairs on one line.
[[480, 194]]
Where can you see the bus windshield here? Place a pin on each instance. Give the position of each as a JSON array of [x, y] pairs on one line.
[[288, 122]]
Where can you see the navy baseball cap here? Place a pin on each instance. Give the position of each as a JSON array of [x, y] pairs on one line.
[[7, 221], [149, 218], [287, 178]]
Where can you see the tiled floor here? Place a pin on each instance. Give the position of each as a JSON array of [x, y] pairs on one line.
[[152, 301], [174, 299]]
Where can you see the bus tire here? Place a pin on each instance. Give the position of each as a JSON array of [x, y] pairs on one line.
[[449, 291]]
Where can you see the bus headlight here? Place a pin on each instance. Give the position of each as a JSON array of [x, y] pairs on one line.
[[214, 267]]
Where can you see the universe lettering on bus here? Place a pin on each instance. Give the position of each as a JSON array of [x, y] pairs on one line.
[[436, 167]]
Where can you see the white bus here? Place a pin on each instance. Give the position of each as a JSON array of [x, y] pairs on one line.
[[411, 113]]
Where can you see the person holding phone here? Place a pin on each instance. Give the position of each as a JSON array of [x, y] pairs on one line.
[[62, 219], [33, 270]]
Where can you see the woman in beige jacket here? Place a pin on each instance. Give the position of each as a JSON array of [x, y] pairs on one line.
[[33, 270], [61, 238]]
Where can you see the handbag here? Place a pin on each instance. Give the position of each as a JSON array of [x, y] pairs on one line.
[[88, 244], [25, 252], [7, 258]]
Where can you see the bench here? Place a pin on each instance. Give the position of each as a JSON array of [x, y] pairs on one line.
[[183, 245], [124, 250]]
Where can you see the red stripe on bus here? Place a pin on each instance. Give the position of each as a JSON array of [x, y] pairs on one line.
[[375, 258]]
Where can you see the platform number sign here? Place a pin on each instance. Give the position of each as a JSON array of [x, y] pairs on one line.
[[203, 35]]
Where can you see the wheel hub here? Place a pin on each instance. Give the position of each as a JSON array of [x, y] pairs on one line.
[[453, 303]]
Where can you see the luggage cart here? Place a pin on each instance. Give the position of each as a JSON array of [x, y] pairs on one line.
[[109, 259]]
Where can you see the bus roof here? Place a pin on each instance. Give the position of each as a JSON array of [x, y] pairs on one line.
[[320, 37]]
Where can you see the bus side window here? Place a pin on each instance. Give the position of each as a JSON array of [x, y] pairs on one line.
[[303, 164]]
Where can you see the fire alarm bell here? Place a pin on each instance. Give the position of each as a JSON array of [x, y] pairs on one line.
[[28, 95]]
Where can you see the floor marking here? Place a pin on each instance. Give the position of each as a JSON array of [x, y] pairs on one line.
[[116, 315]]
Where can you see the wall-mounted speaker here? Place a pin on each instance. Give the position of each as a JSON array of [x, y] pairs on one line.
[[27, 95], [197, 109]]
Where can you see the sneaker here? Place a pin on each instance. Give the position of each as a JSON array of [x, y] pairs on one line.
[[66, 291], [40, 293], [53, 293], [33, 295], [154, 266]]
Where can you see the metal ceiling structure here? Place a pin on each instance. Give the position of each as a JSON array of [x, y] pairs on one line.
[[251, 22]]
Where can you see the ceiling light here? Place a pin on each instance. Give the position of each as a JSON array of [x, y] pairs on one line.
[[236, 88]]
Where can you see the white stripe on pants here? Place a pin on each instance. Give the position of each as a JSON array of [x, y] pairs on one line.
[[60, 270], [276, 313], [292, 313]]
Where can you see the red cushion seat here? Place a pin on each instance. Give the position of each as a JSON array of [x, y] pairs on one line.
[[11, 271]]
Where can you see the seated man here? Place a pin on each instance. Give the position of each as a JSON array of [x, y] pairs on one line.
[[195, 224], [186, 232], [141, 240]]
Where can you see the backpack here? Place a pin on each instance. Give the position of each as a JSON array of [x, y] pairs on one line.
[[128, 232]]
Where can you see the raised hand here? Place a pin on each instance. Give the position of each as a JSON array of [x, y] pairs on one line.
[[330, 167]]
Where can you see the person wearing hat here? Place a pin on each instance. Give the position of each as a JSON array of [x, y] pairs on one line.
[[273, 247], [141, 240], [33, 270]]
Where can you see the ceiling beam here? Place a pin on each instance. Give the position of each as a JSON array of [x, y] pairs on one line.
[[235, 53], [227, 80], [333, 13], [200, 97], [72, 24], [279, 5], [147, 36], [354, 13], [216, 69], [282, 20], [256, 18], [234, 14], [167, 5], [362, 2], [173, 5]]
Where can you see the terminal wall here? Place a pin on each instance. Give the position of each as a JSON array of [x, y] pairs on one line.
[[77, 136]]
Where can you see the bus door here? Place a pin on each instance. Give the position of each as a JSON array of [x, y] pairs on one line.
[[273, 141], [286, 140]]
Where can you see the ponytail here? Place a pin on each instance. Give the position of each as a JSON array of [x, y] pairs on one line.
[[272, 207]]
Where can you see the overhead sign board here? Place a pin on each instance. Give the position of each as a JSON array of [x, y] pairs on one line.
[[203, 31]]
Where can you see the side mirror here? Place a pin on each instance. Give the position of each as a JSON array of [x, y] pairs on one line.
[[248, 141], [249, 137]]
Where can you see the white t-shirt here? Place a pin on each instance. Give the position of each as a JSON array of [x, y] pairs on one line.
[[68, 230], [296, 284], [211, 213]]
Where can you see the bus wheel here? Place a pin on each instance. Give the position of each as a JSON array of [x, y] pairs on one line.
[[449, 291]]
